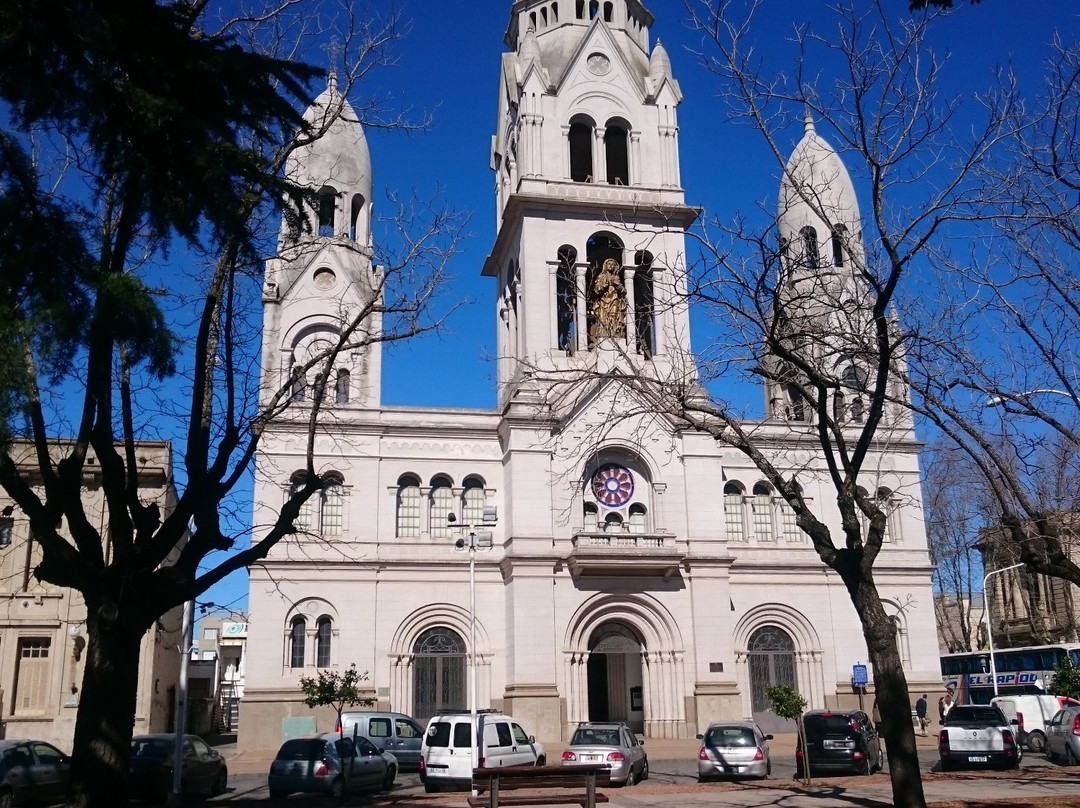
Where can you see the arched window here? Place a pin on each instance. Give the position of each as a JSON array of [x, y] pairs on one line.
[[333, 500], [613, 523], [408, 506], [811, 255], [439, 677], [580, 10], [357, 224], [838, 245], [590, 523], [554, 12], [297, 634], [472, 502], [609, 14], [304, 520], [299, 382], [762, 511], [441, 506], [324, 629], [733, 512], [789, 528], [796, 403], [637, 518], [327, 211], [580, 138], [644, 304], [887, 502], [616, 149], [566, 298], [341, 387], [594, 8]]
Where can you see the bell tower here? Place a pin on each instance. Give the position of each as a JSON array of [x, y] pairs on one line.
[[321, 291], [590, 252]]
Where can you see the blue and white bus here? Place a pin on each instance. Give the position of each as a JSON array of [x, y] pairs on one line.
[[1020, 671]]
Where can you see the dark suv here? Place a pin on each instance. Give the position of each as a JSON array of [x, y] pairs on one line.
[[839, 743]]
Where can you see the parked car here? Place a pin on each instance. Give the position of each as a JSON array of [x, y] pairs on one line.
[[978, 735], [203, 769], [446, 754], [329, 764], [1063, 735], [839, 742], [733, 749], [1032, 712], [32, 772], [391, 732], [612, 744]]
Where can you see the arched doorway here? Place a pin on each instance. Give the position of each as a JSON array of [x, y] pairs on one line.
[[771, 654], [439, 665], [614, 676]]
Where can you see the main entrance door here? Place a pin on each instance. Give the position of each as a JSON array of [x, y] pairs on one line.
[[614, 674], [439, 664], [772, 662]]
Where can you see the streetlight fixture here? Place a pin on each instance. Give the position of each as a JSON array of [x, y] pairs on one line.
[[477, 540], [989, 621]]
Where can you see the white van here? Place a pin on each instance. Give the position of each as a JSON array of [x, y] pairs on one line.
[[446, 753], [1031, 714]]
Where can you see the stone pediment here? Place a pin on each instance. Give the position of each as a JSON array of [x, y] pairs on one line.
[[598, 64]]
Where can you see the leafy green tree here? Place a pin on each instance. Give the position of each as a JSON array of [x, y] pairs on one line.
[[1066, 680], [141, 153], [334, 689], [787, 702]]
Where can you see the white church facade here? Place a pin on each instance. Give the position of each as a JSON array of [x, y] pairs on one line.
[[636, 572]]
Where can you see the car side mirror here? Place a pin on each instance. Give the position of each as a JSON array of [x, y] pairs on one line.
[[700, 737], [532, 739], [1014, 722], [767, 737]]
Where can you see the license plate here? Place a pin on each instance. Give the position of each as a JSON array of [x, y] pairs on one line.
[[837, 744], [590, 757], [978, 759]]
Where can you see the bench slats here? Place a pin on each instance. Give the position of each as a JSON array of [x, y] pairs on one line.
[[581, 780]]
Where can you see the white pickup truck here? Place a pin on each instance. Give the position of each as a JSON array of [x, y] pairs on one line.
[[978, 735]]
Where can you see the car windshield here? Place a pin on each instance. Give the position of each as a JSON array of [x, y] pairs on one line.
[[730, 736], [151, 748], [970, 714], [587, 736], [301, 749]]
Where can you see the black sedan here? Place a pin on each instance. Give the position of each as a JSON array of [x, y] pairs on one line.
[[203, 769]]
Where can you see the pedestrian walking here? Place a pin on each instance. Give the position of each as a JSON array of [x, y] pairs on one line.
[[920, 711]]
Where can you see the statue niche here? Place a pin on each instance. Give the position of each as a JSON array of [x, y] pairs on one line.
[[608, 303]]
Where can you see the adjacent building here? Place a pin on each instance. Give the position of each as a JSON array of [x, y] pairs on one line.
[[625, 569], [43, 627]]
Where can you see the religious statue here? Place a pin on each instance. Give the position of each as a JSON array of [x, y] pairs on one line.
[[609, 302]]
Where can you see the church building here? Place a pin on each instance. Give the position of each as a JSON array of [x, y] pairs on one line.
[[580, 560]]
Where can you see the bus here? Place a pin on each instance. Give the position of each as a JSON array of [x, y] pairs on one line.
[[1020, 671]]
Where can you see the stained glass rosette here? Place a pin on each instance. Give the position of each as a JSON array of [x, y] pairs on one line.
[[613, 486]]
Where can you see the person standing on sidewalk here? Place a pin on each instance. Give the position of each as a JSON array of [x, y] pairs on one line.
[[920, 711]]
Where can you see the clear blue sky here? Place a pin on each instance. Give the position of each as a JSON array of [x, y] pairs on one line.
[[449, 63]]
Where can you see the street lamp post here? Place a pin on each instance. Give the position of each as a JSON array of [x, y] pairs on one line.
[[477, 540], [989, 621]]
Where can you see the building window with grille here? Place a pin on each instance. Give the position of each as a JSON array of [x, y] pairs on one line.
[[788, 526], [441, 506], [472, 502], [761, 506], [322, 642], [733, 512], [297, 636], [32, 676], [408, 507], [332, 506]]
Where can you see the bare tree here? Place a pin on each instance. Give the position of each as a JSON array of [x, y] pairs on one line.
[[161, 270]]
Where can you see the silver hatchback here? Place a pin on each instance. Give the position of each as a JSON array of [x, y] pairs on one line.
[[330, 764], [613, 745], [1063, 735], [733, 749]]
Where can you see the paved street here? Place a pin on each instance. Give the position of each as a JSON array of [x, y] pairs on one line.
[[673, 782]]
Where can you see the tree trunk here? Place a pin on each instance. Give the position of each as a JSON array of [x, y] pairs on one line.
[[890, 686], [105, 722]]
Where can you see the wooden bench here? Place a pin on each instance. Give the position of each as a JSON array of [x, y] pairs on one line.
[[577, 783]]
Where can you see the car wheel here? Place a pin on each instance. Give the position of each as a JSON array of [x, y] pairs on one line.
[[221, 783], [431, 788], [541, 761], [388, 778], [278, 794], [946, 765], [337, 789], [701, 778], [880, 760], [1070, 756], [867, 769], [768, 768], [1036, 742]]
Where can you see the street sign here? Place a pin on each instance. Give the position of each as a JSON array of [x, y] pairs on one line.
[[858, 675]]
